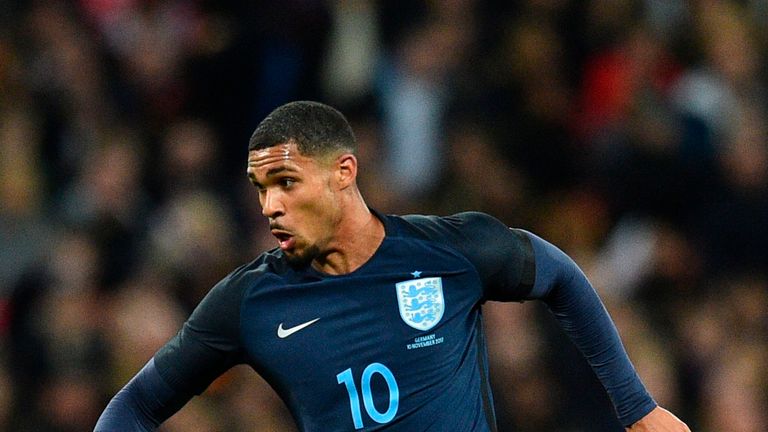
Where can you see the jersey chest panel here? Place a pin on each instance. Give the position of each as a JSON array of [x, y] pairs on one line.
[[404, 323]]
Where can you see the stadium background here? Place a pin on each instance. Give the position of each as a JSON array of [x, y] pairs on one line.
[[630, 133]]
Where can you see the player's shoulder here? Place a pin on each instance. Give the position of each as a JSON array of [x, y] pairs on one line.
[[465, 225], [266, 266], [476, 235]]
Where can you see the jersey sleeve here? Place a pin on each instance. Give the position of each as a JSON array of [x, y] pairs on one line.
[[206, 346], [208, 343], [502, 256], [518, 265], [564, 288], [140, 406]]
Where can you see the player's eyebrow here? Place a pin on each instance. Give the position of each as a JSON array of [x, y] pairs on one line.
[[278, 170], [271, 172]]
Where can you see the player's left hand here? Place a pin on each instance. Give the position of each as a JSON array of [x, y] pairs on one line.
[[659, 420]]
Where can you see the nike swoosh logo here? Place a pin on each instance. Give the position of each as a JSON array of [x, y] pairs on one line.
[[283, 333]]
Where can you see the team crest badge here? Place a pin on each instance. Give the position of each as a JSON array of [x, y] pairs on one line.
[[421, 302]]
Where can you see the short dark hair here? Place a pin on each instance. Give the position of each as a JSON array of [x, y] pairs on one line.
[[316, 128]]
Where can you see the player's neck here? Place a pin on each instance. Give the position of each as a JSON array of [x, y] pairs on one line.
[[357, 238]]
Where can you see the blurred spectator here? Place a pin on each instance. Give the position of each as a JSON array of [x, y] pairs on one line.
[[415, 88], [143, 316], [107, 198], [286, 53], [7, 393], [373, 180], [67, 77], [731, 225], [192, 238], [189, 159], [734, 390], [150, 40], [23, 225], [68, 404], [353, 52], [525, 392], [472, 169], [55, 337], [531, 90]]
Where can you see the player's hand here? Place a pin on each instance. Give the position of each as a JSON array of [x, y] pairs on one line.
[[659, 420]]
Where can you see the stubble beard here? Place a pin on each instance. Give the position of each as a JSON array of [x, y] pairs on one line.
[[304, 258]]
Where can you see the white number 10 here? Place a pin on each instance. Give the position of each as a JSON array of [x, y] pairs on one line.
[[354, 400]]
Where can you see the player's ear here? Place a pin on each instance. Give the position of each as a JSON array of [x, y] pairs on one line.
[[346, 170]]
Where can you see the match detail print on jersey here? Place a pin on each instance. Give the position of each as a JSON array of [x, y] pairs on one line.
[[283, 333], [421, 302]]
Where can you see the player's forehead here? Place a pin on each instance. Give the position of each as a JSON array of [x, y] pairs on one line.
[[284, 156]]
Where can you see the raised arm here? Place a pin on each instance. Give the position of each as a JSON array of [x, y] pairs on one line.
[[566, 291]]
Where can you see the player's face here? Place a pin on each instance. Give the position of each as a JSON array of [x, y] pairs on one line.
[[297, 196]]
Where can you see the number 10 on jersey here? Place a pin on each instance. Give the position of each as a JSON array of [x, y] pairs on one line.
[[348, 380]]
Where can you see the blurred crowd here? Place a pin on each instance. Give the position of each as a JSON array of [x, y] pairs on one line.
[[630, 133]]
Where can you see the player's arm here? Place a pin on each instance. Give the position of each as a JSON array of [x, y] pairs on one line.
[[206, 346], [565, 289], [515, 265], [144, 403], [183, 368]]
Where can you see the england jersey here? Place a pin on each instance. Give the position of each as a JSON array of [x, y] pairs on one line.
[[395, 345]]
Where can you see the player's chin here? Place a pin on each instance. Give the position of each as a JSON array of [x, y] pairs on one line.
[[301, 257]]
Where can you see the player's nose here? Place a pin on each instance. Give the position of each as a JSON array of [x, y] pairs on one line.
[[271, 205]]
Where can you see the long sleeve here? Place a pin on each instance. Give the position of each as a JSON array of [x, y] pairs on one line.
[[144, 403], [206, 346], [576, 306]]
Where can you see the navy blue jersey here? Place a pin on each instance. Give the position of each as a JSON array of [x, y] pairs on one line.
[[397, 344]]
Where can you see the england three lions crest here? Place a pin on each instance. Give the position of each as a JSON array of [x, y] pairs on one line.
[[421, 302]]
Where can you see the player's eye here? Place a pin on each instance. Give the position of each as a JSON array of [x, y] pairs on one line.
[[259, 187], [287, 182]]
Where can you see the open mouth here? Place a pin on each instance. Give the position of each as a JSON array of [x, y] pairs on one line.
[[284, 239]]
